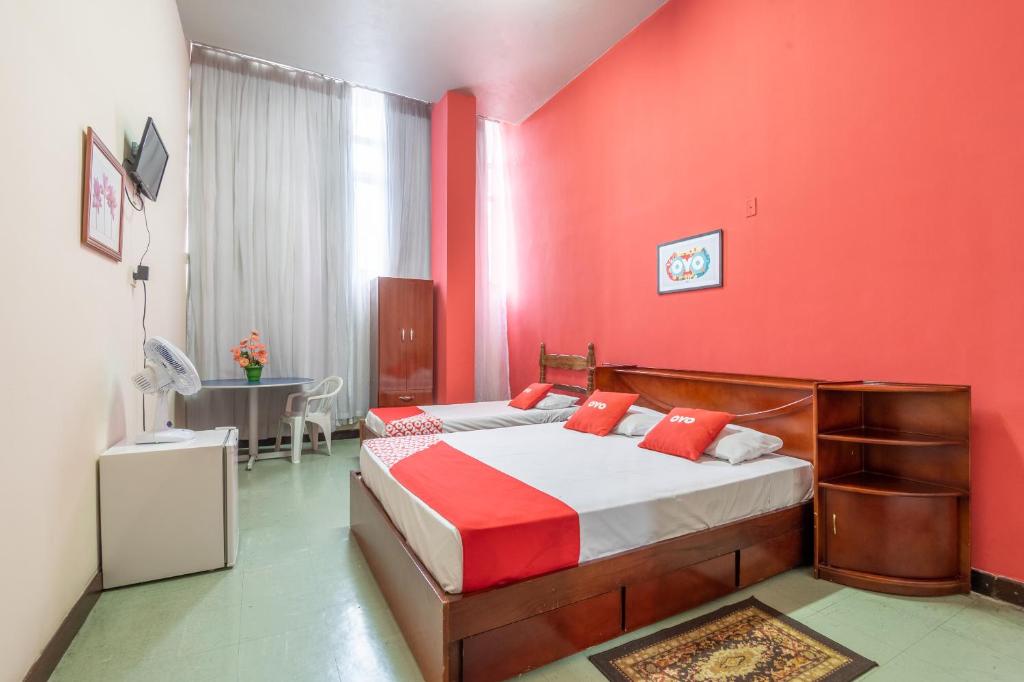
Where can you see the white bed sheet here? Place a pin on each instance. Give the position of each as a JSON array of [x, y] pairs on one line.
[[493, 414], [626, 497]]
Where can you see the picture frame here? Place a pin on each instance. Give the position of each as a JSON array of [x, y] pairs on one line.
[[102, 199], [691, 263]]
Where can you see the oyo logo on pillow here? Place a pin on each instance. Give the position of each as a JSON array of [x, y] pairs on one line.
[[676, 418], [597, 404], [528, 390]]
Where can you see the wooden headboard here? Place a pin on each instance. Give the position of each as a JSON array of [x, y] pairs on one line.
[[785, 407], [586, 362]]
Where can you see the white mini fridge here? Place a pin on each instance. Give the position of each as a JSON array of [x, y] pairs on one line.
[[168, 509]]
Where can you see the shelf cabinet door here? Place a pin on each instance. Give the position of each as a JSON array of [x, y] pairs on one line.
[[392, 316], [418, 349], [891, 535]]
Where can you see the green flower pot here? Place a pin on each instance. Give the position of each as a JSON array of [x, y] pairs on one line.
[[253, 374]]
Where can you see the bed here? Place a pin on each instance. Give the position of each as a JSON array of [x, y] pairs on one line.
[[655, 535], [623, 497], [389, 422]]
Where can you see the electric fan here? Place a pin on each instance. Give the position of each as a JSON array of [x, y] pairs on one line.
[[167, 369]]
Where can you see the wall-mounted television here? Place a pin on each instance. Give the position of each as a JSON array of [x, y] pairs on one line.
[[148, 162]]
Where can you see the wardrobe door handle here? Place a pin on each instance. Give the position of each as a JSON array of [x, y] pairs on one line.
[[412, 334], [834, 529], [403, 333]]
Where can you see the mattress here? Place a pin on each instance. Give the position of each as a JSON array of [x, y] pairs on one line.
[[625, 496], [494, 414]]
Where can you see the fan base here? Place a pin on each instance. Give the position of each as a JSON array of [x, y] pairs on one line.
[[166, 436]]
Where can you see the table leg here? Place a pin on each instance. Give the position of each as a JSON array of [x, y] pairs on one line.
[[254, 438]]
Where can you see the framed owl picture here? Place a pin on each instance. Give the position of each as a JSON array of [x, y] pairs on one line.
[[690, 263]]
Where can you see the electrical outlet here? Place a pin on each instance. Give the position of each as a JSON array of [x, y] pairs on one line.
[[140, 274], [751, 207]]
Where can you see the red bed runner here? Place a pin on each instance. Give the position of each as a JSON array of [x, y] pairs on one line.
[[407, 421], [510, 530]]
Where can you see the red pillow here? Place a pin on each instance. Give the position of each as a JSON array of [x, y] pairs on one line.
[[530, 396], [685, 432], [601, 412]]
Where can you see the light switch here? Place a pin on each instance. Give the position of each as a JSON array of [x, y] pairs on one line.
[[751, 207]]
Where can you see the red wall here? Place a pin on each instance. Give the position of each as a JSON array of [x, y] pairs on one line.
[[883, 141], [453, 244]]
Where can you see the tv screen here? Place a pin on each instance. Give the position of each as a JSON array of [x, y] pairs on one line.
[[150, 162]]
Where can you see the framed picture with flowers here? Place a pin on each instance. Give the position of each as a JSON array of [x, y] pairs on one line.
[[102, 199], [690, 263]]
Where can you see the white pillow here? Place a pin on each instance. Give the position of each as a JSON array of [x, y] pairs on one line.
[[556, 401], [737, 444], [637, 422]]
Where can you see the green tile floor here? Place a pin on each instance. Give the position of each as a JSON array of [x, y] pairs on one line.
[[302, 605]]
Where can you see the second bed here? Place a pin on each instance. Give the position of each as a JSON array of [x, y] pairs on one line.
[[406, 420]]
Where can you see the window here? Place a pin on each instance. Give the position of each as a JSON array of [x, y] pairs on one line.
[[496, 208], [369, 167]]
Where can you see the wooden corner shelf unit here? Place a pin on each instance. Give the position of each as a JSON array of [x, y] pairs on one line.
[[892, 487]]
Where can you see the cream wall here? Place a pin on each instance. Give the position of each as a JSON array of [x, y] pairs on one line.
[[71, 333]]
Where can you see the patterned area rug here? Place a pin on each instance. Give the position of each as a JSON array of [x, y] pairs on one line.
[[743, 641]]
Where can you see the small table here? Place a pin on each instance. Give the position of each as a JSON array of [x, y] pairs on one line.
[[253, 388]]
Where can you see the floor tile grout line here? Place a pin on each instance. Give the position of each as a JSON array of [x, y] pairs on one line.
[[873, 637], [900, 650], [241, 615], [982, 642], [926, 635]]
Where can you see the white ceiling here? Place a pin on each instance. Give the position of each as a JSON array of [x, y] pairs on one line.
[[512, 54]]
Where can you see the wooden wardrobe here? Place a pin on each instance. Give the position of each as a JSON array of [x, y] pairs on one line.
[[402, 343]]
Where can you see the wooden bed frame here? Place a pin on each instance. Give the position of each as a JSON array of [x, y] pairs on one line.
[[586, 362], [496, 633], [581, 363]]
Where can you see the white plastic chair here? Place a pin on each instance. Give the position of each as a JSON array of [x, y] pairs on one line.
[[314, 408]]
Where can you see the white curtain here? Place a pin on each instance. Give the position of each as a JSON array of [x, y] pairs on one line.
[[407, 126], [493, 219], [289, 205]]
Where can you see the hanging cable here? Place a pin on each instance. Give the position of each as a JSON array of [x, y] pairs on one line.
[[149, 235], [141, 207], [129, 195]]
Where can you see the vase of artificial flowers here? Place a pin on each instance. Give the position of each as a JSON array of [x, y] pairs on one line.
[[251, 355]]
